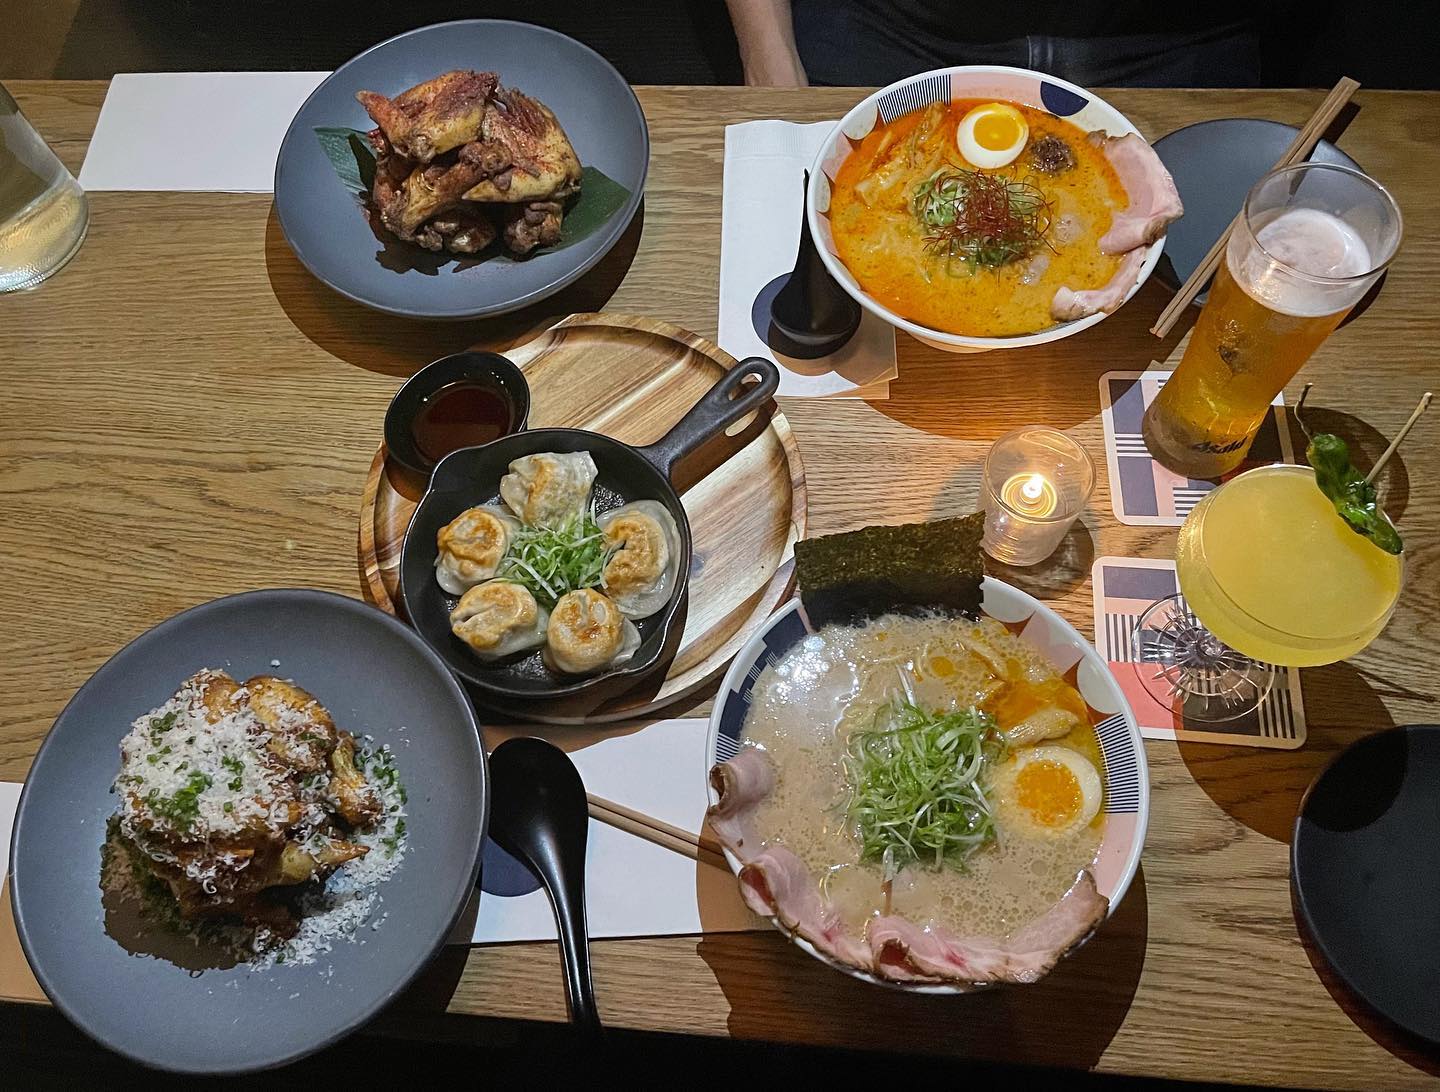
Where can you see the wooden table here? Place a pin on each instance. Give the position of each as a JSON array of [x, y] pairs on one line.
[[187, 414]]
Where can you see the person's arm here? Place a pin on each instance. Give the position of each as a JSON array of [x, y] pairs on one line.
[[767, 43]]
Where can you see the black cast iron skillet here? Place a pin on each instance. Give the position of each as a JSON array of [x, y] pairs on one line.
[[472, 476]]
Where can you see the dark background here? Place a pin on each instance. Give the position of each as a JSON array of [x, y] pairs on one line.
[[1381, 43]]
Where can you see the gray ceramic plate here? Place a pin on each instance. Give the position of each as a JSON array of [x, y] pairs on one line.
[[323, 221], [1214, 164], [376, 677]]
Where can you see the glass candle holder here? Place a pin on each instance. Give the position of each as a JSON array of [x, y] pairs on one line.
[[1035, 482]]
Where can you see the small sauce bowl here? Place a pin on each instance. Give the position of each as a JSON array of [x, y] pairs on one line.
[[463, 400]]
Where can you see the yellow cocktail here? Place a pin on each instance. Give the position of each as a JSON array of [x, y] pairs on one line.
[[1267, 564]]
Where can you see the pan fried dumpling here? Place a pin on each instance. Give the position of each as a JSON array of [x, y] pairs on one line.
[[640, 574], [587, 633], [472, 545], [546, 488], [498, 618]]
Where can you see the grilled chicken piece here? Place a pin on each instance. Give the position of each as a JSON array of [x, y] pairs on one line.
[[356, 800], [542, 163], [435, 116], [302, 735], [532, 225], [217, 695], [431, 190]]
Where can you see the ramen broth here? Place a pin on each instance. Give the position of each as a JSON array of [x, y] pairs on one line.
[[882, 243], [804, 707]]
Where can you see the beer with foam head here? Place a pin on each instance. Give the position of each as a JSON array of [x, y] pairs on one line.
[[1311, 243]]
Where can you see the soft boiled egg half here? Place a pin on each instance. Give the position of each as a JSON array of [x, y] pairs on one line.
[[1046, 790], [992, 135]]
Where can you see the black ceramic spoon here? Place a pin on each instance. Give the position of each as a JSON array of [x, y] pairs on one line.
[[538, 813], [813, 314]]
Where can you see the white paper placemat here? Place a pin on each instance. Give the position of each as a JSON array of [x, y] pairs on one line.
[[9, 801], [633, 887], [213, 131], [761, 204]]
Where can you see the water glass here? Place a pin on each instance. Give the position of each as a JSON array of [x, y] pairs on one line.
[[43, 212]]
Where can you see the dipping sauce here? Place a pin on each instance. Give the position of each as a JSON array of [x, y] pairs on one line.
[[462, 414]]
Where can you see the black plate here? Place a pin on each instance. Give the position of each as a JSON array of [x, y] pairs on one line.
[[471, 476], [323, 223], [1365, 864], [131, 992], [1214, 164]]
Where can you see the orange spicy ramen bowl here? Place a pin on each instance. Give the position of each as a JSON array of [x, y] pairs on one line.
[[890, 270]]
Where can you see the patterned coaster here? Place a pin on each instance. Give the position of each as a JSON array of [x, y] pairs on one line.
[[1142, 492], [1124, 588]]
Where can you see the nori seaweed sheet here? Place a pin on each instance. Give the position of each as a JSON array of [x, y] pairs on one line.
[[851, 577]]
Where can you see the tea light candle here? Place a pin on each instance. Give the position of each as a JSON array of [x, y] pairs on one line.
[[1029, 494], [1035, 482]]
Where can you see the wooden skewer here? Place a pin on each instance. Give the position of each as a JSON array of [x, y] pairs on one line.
[[698, 847], [1303, 144], [1399, 437]]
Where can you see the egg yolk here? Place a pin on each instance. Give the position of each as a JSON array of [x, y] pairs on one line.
[[996, 131], [1049, 792]]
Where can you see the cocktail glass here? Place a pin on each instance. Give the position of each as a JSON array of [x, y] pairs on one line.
[[1270, 575]]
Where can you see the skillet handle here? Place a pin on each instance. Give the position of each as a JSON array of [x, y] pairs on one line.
[[714, 412]]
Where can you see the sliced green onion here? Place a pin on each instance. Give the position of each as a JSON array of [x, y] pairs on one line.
[[914, 780], [551, 561]]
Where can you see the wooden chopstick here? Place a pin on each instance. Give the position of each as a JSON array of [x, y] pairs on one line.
[[698, 847], [1303, 144]]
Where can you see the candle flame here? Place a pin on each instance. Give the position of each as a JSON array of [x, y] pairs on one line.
[[1034, 487]]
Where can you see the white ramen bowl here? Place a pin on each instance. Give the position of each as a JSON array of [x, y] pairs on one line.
[[1034, 89], [1127, 778]]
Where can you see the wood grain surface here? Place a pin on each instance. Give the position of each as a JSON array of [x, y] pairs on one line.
[[633, 378], [187, 413]]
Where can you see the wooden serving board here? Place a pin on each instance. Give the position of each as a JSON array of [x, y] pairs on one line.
[[633, 378]]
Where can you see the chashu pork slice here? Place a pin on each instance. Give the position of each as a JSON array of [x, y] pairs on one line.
[[1154, 200]]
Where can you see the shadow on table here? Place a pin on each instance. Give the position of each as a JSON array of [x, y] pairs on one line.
[[981, 396], [1262, 788], [1059, 574], [1409, 1048], [1367, 443], [777, 992], [384, 343]]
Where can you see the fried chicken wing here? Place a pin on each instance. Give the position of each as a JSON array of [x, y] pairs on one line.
[[355, 799], [435, 116], [532, 225], [461, 160], [431, 190], [543, 164], [302, 735], [460, 230], [218, 694]]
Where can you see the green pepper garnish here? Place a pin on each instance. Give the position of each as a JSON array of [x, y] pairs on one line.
[[1354, 498]]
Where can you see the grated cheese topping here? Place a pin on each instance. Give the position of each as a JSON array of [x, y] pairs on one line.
[[182, 777], [190, 788]]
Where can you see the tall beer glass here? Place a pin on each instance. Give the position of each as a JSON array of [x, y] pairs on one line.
[[43, 212], [1312, 240]]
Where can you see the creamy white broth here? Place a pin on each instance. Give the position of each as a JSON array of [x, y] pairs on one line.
[[803, 709]]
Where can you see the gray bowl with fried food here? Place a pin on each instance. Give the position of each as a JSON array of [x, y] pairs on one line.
[[143, 986], [476, 235]]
